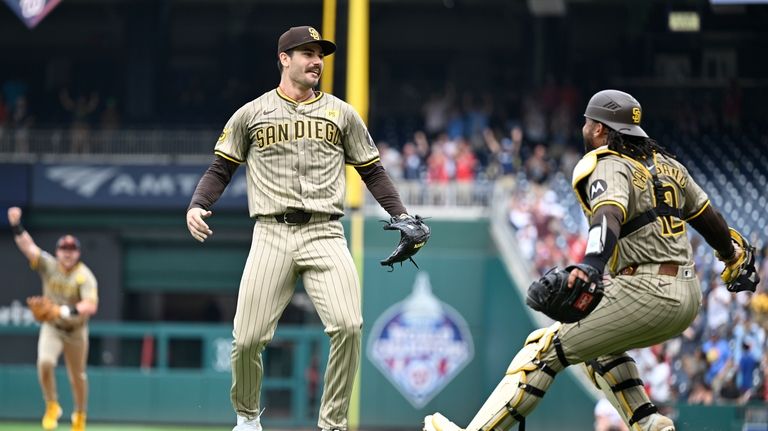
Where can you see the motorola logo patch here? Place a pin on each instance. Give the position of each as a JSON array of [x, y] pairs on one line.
[[597, 188]]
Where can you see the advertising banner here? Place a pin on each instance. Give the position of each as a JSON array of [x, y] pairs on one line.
[[126, 186]]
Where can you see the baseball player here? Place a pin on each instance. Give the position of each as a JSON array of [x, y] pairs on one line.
[[295, 142], [69, 299], [638, 200]]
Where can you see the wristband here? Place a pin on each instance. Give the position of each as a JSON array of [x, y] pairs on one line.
[[17, 229], [65, 311]]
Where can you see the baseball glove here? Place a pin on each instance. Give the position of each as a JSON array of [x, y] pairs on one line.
[[551, 295], [43, 308], [740, 273], [414, 234]]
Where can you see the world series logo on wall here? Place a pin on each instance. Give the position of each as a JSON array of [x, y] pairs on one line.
[[420, 344]]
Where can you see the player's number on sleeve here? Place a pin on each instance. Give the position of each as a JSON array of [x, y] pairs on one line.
[[670, 225]]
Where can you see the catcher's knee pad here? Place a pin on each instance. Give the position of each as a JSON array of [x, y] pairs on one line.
[[526, 381], [618, 378]]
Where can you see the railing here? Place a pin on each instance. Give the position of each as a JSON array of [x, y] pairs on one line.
[[305, 348], [36, 143]]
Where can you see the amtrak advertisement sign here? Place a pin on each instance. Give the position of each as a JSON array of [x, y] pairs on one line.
[[126, 186], [420, 344]]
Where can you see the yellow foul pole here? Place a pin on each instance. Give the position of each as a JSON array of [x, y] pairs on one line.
[[357, 96], [329, 32]]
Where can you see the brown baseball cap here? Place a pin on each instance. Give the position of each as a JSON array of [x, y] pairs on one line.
[[297, 36]]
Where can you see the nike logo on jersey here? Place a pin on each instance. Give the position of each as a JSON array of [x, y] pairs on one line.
[[270, 111], [597, 188]]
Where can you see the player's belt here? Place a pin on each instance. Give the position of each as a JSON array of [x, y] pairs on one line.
[[665, 268], [300, 217]]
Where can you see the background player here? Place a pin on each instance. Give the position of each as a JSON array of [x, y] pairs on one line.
[[295, 142], [638, 199], [72, 289]]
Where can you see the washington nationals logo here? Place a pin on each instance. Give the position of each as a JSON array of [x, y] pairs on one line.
[[315, 35], [636, 114], [420, 344]]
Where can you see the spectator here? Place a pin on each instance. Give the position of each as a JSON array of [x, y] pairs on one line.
[[21, 123], [413, 164], [538, 166], [718, 305], [80, 110], [717, 353], [438, 164], [465, 162], [701, 392], [659, 379], [391, 160], [747, 368], [607, 418], [436, 110]]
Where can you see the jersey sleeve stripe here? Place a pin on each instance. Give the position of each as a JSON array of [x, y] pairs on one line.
[[228, 157], [614, 203], [362, 165], [698, 213]]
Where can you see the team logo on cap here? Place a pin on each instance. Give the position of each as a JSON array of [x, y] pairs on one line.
[[315, 35], [420, 344], [636, 114]]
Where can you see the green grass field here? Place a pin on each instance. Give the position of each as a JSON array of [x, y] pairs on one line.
[[64, 426]]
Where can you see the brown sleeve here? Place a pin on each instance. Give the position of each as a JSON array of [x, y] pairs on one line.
[[212, 183], [378, 182], [712, 226]]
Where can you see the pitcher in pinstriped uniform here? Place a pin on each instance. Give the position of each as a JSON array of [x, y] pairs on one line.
[[639, 201], [295, 142]]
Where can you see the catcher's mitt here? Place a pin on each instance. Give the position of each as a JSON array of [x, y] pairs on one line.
[[43, 308], [551, 295], [740, 273], [414, 234]]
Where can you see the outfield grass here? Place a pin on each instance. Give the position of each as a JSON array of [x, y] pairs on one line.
[[64, 426]]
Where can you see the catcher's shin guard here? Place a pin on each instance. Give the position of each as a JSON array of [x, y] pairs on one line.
[[618, 378], [526, 381]]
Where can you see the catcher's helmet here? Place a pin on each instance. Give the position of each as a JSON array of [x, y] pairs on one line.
[[617, 110]]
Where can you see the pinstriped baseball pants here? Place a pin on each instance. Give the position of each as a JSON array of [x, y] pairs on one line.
[[637, 311], [280, 253]]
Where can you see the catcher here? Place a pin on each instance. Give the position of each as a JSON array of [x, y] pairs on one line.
[[69, 299], [638, 200]]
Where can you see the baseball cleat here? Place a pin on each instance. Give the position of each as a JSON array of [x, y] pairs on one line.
[[657, 422], [52, 414], [244, 424], [438, 422], [78, 421]]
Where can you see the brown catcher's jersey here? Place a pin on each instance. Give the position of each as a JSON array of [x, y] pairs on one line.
[[605, 177], [66, 288], [296, 152]]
